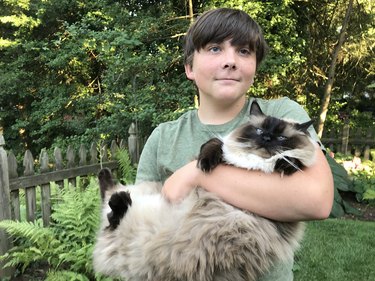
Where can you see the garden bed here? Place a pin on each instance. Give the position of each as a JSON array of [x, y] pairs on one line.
[[367, 210]]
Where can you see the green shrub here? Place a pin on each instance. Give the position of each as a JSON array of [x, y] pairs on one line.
[[364, 182], [126, 169], [66, 246], [342, 183], [361, 175]]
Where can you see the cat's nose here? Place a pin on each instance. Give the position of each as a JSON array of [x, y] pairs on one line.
[[266, 138]]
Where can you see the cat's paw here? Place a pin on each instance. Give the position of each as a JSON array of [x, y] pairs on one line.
[[119, 203], [288, 166], [211, 155]]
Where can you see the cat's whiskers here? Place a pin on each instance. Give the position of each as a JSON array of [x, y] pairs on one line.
[[290, 162]]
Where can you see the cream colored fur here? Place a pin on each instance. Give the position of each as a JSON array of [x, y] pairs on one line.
[[200, 239]]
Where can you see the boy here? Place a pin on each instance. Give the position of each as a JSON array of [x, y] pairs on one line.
[[223, 49]]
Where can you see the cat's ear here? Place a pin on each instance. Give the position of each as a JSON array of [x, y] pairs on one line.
[[105, 181], [255, 109], [304, 126]]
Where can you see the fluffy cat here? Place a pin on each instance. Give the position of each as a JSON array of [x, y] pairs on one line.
[[143, 237]]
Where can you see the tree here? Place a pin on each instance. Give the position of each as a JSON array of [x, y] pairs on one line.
[[90, 68], [331, 72], [82, 70], [319, 23]]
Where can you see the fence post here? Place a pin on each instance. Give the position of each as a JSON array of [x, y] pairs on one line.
[[15, 194], [5, 214], [30, 193], [59, 165], [345, 138], [45, 189], [71, 159], [133, 144], [366, 153]]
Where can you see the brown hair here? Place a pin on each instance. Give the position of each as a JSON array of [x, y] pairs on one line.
[[218, 25]]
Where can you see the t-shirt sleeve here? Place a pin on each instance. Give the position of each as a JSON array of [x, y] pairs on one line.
[[147, 167]]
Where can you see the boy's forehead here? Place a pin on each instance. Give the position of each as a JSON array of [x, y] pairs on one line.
[[232, 41], [242, 35]]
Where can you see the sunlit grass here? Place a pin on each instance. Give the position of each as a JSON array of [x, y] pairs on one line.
[[337, 249]]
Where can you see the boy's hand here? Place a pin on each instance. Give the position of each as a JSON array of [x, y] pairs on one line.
[[181, 182]]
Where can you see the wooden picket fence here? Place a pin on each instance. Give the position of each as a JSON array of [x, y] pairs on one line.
[[357, 142], [36, 180]]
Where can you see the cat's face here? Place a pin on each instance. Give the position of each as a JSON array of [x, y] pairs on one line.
[[270, 139], [267, 136]]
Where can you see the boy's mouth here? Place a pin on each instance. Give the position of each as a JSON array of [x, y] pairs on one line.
[[228, 79]]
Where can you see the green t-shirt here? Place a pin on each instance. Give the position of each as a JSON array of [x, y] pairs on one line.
[[173, 144]]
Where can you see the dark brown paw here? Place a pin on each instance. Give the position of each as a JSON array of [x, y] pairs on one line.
[[211, 155], [119, 203]]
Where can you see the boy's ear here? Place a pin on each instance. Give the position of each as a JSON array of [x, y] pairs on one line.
[[189, 71]]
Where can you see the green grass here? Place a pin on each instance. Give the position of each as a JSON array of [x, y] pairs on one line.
[[337, 249]]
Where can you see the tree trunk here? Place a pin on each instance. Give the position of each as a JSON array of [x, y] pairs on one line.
[[191, 13], [331, 72]]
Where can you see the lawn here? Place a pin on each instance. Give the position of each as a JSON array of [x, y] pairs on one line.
[[337, 249]]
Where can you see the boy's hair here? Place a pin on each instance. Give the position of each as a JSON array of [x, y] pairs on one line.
[[218, 25]]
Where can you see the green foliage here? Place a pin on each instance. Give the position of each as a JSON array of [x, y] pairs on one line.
[[40, 243], [75, 222], [343, 183], [66, 246], [359, 180], [364, 182], [65, 275], [79, 69], [126, 169]]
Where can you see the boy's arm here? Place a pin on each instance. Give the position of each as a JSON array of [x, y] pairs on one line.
[[304, 195]]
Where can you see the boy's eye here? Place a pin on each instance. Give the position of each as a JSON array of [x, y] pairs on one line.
[[244, 51], [214, 49]]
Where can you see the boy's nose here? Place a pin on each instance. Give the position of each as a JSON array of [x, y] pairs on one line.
[[230, 65], [230, 60]]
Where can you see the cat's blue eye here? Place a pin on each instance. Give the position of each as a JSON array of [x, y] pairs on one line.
[[281, 138], [259, 131]]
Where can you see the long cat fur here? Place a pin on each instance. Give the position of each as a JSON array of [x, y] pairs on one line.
[[145, 238]]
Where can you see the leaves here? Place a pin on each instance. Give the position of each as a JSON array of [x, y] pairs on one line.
[[40, 243], [340, 175], [126, 168], [342, 183], [78, 69], [67, 243]]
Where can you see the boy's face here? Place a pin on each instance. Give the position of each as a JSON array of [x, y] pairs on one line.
[[222, 72]]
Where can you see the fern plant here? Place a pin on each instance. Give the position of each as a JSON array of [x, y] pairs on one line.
[[66, 246], [64, 275], [36, 243], [126, 169]]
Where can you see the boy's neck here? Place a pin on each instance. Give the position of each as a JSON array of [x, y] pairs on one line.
[[219, 113]]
